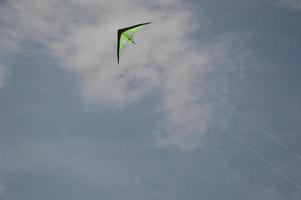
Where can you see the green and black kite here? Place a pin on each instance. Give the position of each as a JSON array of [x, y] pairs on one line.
[[125, 36]]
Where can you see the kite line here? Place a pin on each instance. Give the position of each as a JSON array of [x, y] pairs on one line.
[[249, 147], [252, 122], [258, 155]]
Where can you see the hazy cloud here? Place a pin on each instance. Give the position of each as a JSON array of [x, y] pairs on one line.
[[82, 35]]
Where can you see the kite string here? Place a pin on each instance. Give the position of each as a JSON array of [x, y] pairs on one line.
[[258, 155], [262, 130]]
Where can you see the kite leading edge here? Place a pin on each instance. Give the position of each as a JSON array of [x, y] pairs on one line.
[[126, 35]]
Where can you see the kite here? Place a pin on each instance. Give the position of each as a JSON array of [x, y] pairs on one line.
[[125, 36]]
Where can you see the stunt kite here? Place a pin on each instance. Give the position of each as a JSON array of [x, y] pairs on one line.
[[125, 36]]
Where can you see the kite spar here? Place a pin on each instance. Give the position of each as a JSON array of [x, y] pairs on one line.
[[125, 36]]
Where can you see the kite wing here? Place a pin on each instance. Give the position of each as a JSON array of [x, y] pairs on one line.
[[125, 36]]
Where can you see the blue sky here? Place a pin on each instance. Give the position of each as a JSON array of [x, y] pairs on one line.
[[205, 106]]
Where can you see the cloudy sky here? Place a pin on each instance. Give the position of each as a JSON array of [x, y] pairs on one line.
[[205, 106]]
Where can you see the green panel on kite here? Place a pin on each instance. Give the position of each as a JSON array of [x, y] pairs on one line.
[[134, 30], [122, 42]]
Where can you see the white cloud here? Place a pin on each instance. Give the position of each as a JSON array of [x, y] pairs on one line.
[[82, 35], [294, 4]]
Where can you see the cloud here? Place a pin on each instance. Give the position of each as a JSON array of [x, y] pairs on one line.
[[294, 4], [82, 36]]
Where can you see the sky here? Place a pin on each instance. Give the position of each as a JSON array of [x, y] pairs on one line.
[[206, 105]]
